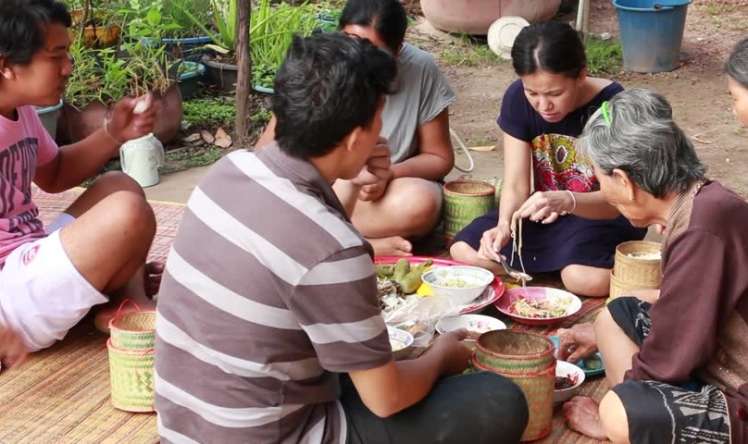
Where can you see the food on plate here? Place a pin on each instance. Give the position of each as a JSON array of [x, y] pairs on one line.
[[541, 308], [396, 282], [564, 382], [453, 282]]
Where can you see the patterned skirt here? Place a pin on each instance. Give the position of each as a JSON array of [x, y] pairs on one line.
[[569, 240], [663, 413]]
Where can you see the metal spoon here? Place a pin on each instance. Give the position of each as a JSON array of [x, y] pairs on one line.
[[513, 273]]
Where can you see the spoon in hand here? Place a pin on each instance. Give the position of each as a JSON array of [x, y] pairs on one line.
[[513, 273]]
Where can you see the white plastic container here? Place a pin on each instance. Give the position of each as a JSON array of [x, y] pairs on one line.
[[141, 158]]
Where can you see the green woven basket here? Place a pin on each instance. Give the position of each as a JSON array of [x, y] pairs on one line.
[[527, 359], [134, 330], [131, 376], [465, 200]]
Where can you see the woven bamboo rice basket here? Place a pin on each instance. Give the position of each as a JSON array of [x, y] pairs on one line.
[[131, 376], [527, 359], [641, 271], [620, 288], [465, 200], [133, 330]]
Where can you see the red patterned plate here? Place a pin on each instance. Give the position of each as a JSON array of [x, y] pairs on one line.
[[490, 296]]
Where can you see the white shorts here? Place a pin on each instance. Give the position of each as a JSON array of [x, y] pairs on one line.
[[42, 294]]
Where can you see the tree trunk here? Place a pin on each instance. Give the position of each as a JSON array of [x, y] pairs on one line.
[[244, 80]]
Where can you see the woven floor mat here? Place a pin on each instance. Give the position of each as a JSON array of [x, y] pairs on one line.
[[61, 394], [168, 216]]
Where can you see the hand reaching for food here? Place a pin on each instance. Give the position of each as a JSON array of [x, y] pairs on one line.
[[577, 343]]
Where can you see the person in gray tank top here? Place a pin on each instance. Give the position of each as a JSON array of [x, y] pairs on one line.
[[403, 199]]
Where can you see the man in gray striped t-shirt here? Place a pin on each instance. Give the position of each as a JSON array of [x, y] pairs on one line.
[[269, 293]]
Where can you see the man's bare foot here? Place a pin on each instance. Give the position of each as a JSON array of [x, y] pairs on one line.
[[582, 415], [391, 246]]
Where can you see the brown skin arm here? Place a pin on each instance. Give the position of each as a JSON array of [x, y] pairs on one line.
[[77, 162], [436, 156], [395, 386]]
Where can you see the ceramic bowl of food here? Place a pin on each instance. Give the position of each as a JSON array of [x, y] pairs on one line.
[[460, 284], [538, 305], [569, 379], [475, 324], [401, 341]]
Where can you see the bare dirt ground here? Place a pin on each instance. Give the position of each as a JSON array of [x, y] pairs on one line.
[[697, 90]]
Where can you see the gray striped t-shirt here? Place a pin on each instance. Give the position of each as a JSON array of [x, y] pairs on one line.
[[268, 293]]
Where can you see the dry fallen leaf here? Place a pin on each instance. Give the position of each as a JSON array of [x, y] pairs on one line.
[[207, 136], [222, 139], [192, 138]]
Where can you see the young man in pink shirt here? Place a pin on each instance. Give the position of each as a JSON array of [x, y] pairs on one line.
[[51, 276]]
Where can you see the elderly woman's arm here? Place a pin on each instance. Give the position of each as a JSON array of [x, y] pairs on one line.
[[695, 299]]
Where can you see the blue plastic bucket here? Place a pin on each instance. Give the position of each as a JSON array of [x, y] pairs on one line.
[[49, 116], [651, 33]]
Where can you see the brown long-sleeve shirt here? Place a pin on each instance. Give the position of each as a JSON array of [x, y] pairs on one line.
[[700, 322]]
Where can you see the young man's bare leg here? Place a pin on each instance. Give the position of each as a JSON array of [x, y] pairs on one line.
[[409, 208], [108, 242]]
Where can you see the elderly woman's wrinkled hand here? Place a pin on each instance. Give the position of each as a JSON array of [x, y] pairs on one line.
[[576, 343], [12, 349], [544, 207]]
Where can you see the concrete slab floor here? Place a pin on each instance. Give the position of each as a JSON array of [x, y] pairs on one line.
[[177, 187]]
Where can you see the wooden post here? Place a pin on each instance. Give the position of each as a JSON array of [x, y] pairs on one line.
[[243, 84]]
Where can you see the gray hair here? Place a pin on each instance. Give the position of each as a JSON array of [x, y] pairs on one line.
[[640, 137], [737, 64]]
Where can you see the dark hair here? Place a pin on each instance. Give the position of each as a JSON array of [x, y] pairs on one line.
[[22, 25], [737, 64], [554, 47], [387, 17], [328, 85]]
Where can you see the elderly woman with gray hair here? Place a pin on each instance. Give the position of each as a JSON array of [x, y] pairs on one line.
[[678, 363]]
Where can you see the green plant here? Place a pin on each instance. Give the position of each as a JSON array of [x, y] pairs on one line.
[[469, 52], [201, 9], [107, 75], [271, 30], [149, 69], [209, 112], [85, 81], [147, 19], [603, 56], [269, 45], [182, 159]]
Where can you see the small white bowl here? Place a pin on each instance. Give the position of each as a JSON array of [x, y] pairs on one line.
[[478, 324], [400, 341], [475, 280], [564, 368]]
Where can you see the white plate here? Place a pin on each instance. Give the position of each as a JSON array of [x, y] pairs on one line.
[[502, 33]]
